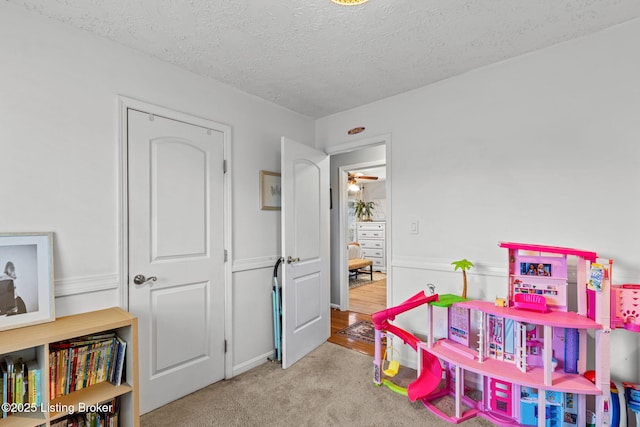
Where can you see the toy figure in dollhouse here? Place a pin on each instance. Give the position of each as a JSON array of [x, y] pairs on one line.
[[543, 271], [526, 352], [532, 270]]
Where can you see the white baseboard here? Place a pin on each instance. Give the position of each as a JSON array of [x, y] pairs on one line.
[[250, 364]]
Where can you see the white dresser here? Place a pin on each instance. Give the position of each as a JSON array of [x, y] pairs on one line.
[[372, 236]]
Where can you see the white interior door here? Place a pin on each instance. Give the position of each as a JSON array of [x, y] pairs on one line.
[[176, 224], [306, 316]]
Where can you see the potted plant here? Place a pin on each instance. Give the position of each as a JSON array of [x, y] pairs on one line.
[[463, 265], [364, 210]]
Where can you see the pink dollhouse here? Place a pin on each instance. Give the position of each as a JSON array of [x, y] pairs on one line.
[[528, 351]]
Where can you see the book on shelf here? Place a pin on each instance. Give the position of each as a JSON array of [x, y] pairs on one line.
[[85, 361], [5, 384], [104, 414], [3, 390], [34, 382], [122, 346], [20, 383], [7, 370]]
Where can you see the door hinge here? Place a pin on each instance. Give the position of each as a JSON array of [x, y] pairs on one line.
[[224, 166], [226, 254], [225, 346]]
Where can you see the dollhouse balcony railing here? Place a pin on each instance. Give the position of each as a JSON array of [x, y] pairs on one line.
[[534, 376], [563, 319]]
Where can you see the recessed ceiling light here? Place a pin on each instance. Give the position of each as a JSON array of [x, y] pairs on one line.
[[350, 2]]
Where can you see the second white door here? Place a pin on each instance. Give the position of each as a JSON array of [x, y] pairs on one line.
[[176, 255]]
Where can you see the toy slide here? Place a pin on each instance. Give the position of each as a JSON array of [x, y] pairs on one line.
[[381, 318], [429, 378], [431, 372]]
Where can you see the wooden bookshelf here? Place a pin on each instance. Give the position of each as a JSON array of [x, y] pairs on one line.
[[36, 340]]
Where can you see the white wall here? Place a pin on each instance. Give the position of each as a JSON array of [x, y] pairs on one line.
[[376, 191], [59, 145], [542, 149]]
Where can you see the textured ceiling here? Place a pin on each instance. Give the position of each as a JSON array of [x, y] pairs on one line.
[[318, 58]]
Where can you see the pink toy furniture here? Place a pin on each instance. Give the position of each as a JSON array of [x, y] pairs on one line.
[[530, 302], [625, 307]]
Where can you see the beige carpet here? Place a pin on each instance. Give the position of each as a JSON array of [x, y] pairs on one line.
[[332, 386]]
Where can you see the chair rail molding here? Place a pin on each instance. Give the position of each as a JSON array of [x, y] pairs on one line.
[[620, 275], [439, 264], [256, 263], [86, 284]]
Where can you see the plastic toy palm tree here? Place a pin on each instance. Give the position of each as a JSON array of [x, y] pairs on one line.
[[463, 265]]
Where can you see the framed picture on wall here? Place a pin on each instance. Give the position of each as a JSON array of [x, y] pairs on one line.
[[270, 191], [26, 279]]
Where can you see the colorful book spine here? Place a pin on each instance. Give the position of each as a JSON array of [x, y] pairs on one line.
[[122, 346], [5, 394], [8, 365], [34, 382]]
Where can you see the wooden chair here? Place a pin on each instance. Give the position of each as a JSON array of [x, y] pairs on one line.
[[357, 264]]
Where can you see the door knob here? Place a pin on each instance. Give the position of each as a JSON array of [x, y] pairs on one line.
[[139, 279], [290, 259]]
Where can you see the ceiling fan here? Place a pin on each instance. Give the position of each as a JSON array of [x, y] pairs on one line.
[[354, 177], [358, 175]]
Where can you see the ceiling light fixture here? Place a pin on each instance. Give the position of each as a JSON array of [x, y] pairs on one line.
[[353, 186], [349, 2]]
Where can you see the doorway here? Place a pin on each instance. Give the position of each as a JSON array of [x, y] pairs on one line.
[[366, 236], [356, 156]]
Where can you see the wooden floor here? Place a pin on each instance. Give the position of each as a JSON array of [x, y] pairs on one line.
[[342, 319], [363, 301], [368, 299]]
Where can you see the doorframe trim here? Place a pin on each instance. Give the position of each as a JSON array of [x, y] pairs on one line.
[[342, 206], [125, 103]]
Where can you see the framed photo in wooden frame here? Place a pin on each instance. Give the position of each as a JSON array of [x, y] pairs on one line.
[[26, 279], [270, 191]]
